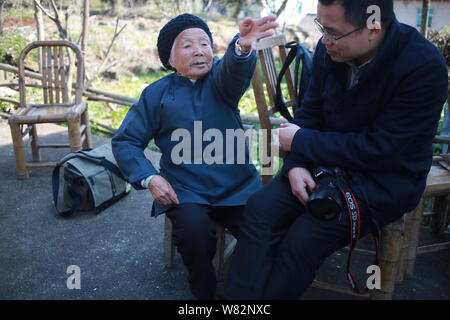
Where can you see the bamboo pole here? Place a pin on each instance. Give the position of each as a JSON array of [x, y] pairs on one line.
[[19, 151], [112, 95], [425, 17], [414, 236], [439, 218], [5, 114], [10, 101], [408, 230], [41, 165], [433, 247], [98, 98], [104, 126], [105, 132], [74, 133], [116, 98], [13, 69], [389, 259]]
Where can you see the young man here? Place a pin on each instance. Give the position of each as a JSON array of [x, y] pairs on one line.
[[371, 110]]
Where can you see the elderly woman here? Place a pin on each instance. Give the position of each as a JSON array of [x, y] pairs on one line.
[[202, 94]]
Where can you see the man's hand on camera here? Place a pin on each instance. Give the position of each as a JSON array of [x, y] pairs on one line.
[[251, 30], [162, 191], [302, 183], [286, 135]]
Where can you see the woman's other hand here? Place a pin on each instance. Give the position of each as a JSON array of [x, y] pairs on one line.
[[162, 191]]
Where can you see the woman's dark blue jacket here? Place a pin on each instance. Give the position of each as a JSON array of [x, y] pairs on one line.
[[205, 110]]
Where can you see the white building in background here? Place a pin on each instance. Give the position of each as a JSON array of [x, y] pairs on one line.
[[295, 11], [410, 12], [407, 11]]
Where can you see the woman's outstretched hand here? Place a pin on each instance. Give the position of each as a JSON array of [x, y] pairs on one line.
[[251, 30]]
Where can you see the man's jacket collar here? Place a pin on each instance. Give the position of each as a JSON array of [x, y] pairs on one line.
[[389, 50]]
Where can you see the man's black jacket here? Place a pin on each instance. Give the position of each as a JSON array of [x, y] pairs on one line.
[[381, 130]]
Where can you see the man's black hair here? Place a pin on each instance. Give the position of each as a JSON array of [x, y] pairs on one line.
[[356, 10]]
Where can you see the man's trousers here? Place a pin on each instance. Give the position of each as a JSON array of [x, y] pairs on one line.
[[281, 246]]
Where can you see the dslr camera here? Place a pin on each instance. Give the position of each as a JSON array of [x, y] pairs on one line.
[[326, 202]]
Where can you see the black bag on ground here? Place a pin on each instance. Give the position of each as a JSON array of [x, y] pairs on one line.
[[92, 181]]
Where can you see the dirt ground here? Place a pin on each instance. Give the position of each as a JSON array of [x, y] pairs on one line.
[[120, 250]]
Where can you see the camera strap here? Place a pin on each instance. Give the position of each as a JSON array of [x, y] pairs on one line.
[[354, 214]]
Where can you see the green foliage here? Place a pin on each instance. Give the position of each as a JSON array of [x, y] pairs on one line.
[[19, 9], [441, 39], [11, 44], [437, 148], [247, 103], [4, 107], [98, 6], [130, 85]]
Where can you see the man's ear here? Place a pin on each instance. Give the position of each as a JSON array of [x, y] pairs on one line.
[[376, 25], [375, 30]]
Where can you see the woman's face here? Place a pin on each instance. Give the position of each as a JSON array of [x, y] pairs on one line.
[[191, 54]]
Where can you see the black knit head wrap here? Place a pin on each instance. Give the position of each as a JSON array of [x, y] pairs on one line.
[[172, 29]]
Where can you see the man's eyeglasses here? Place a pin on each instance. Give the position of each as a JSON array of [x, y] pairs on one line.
[[330, 35]]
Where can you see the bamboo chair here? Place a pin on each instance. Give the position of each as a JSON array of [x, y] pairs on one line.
[[437, 188], [392, 235], [57, 107], [267, 109]]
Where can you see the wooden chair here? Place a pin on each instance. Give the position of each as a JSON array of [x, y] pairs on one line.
[[57, 107], [267, 65], [437, 188], [399, 239]]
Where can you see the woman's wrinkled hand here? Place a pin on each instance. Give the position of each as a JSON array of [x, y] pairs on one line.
[[251, 30], [162, 191]]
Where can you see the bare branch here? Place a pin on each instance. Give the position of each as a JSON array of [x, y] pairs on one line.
[[55, 10], [38, 3], [109, 66], [55, 18], [102, 67]]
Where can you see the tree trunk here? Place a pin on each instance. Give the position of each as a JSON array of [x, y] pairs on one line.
[[2, 4], [206, 5], [116, 7], [84, 32], [39, 22], [40, 32], [425, 16], [238, 9]]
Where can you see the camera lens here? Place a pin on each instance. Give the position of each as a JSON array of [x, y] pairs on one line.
[[323, 208]]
